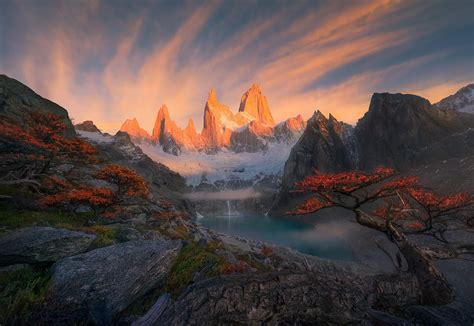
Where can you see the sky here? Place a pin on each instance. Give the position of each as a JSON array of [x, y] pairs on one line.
[[107, 60]]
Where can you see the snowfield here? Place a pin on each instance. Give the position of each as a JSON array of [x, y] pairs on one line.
[[95, 137], [225, 165]]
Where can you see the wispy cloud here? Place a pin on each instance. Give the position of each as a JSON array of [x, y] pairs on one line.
[[107, 62]]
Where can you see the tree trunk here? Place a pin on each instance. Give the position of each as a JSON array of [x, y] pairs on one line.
[[435, 288]]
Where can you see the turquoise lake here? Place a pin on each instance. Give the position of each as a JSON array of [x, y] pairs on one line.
[[305, 238]]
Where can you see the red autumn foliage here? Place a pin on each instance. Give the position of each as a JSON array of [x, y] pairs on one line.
[[346, 182], [30, 150], [170, 214], [94, 197], [402, 201], [128, 184], [127, 181], [238, 267], [266, 251]]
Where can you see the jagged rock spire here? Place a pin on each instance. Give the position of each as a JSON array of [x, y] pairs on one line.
[[255, 104], [132, 127]]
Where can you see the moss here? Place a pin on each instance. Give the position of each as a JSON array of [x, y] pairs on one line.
[[15, 191], [214, 245], [142, 305], [191, 260], [106, 235], [252, 262], [13, 219], [19, 292]]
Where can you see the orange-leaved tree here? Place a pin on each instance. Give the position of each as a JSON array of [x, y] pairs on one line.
[[127, 182], [97, 198], [29, 150], [397, 206]]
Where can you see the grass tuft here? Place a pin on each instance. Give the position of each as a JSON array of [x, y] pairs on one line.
[[192, 260], [19, 292]]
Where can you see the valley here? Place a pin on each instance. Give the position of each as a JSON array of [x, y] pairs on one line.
[[231, 162], [223, 206]]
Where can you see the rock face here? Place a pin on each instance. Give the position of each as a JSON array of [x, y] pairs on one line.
[[97, 285], [172, 138], [191, 137], [37, 245], [17, 101], [87, 125], [218, 123], [288, 298], [462, 100], [255, 104], [326, 145], [401, 131], [131, 127], [397, 126], [289, 129], [251, 138], [163, 182]]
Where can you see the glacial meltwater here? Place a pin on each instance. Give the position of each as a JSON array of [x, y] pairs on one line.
[[313, 240]]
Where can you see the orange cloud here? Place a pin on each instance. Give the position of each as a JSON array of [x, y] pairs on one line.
[[180, 70]]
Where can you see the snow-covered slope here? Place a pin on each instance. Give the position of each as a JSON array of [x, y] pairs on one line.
[[462, 100], [95, 137], [199, 167]]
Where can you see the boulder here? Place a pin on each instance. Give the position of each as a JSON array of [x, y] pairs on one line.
[[97, 285], [35, 245]]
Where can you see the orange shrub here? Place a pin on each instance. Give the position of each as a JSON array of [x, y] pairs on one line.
[[127, 181]]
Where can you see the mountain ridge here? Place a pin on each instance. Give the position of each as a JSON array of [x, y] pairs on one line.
[[249, 129], [402, 131]]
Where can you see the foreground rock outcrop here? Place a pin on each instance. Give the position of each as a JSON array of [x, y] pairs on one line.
[[40, 245], [97, 285]]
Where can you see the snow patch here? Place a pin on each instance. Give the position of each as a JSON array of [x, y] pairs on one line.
[[95, 136], [224, 165]]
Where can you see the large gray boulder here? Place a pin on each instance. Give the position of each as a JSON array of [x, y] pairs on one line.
[[97, 285], [35, 245]]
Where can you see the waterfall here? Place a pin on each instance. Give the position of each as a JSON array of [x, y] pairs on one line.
[[228, 208]]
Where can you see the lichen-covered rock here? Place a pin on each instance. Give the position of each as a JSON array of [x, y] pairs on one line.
[[289, 297], [97, 285], [274, 298], [41, 245]]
